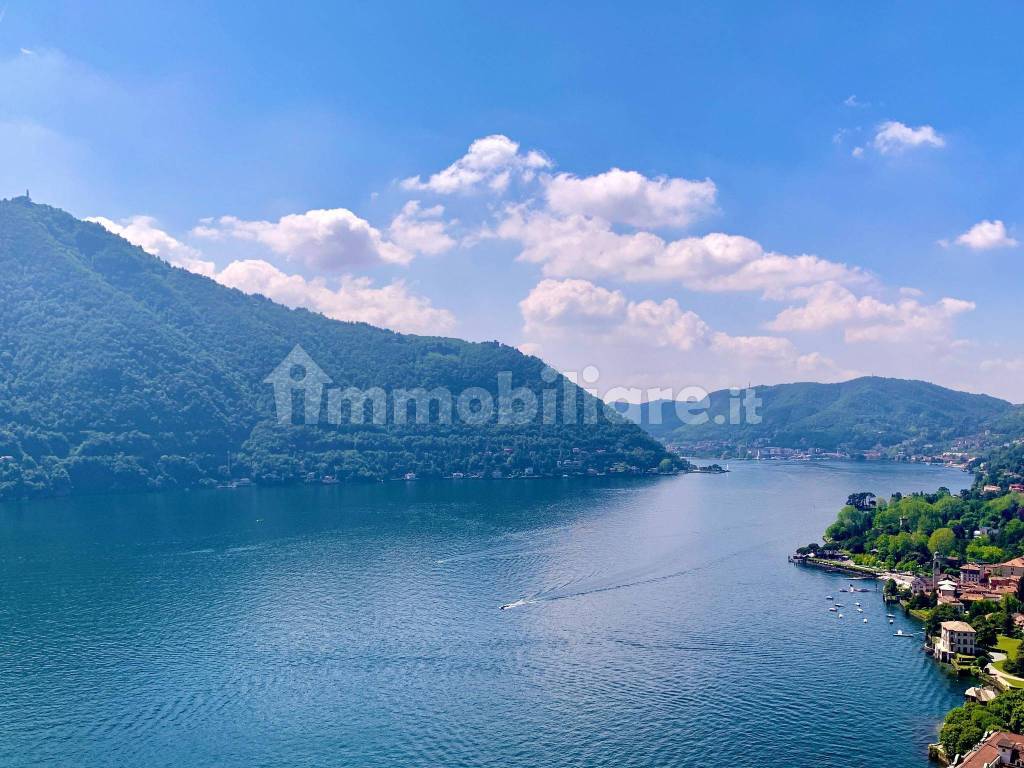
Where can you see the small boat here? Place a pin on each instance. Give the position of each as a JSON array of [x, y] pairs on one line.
[[890, 615], [839, 605], [891, 621], [901, 633], [833, 609], [865, 621], [860, 610], [829, 597], [857, 603], [840, 615]]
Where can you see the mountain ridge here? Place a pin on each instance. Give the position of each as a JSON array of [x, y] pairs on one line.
[[855, 415], [119, 371]]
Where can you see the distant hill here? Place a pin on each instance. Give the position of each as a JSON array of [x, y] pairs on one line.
[[1003, 467], [120, 372], [855, 415]]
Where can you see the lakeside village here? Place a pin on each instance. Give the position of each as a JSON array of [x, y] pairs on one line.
[[958, 457], [946, 560]]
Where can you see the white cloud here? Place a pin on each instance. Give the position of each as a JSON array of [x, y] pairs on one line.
[[628, 197], [1012, 365], [579, 246], [853, 101], [573, 308], [490, 163], [329, 240], [552, 302], [421, 230], [754, 346], [144, 232], [986, 235], [817, 363], [893, 137], [865, 318], [530, 348], [665, 324], [354, 299]]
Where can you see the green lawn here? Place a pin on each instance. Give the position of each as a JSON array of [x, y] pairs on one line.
[[1007, 645], [1013, 682]]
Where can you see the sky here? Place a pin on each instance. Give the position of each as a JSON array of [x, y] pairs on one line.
[[672, 195]]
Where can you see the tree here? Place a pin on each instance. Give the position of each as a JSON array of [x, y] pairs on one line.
[[981, 551], [942, 541], [940, 614], [964, 727], [986, 630], [863, 501], [850, 522]]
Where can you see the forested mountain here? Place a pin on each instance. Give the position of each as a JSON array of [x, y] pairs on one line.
[[118, 371], [854, 415]]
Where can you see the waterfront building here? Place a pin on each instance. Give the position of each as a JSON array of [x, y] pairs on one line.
[[980, 694], [1000, 748], [956, 638]]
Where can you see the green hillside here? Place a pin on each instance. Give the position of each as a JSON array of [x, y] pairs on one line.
[[118, 371], [853, 415]]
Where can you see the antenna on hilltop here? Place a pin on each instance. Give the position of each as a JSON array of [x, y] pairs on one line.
[[27, 195]]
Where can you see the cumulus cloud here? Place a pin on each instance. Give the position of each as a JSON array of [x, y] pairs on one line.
[[754, 346], [865, 318], [987, 235], [421, 230], [354, 298], [144, 232], [581, 246], [628, 197], [491, 163], [570, 308], [893, 137], [330, 240]]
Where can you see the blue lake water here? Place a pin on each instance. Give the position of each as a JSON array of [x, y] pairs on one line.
[[659, 625]]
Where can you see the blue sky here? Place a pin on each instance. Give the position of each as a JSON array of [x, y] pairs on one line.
[[866, 139]]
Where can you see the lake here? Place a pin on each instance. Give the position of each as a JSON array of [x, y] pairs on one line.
[[655, 622]]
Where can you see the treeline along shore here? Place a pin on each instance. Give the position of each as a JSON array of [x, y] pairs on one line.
[[955, 562]]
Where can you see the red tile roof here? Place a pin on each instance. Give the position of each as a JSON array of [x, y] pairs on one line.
[[988, 751]]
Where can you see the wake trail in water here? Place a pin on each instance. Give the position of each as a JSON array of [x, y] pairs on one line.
[[546, 597]]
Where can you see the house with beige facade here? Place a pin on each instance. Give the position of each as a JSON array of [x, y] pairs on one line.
[[956, 638]]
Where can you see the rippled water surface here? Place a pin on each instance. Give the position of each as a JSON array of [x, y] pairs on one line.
[[653, 623]]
